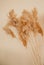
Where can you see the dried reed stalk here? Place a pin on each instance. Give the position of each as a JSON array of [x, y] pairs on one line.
[[25, 24]]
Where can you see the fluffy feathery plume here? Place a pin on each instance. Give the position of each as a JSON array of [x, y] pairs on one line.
[[26, 23]]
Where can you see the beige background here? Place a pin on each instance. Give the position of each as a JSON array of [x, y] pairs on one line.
[[12, 52]]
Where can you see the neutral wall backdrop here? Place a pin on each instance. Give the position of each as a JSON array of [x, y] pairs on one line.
[[12, 52]]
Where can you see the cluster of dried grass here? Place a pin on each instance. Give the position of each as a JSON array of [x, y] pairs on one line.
[[27, 22]]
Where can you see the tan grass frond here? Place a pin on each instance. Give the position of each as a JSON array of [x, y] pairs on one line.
[[26, 23]]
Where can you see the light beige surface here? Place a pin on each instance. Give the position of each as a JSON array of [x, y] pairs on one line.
[[12, 52]]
